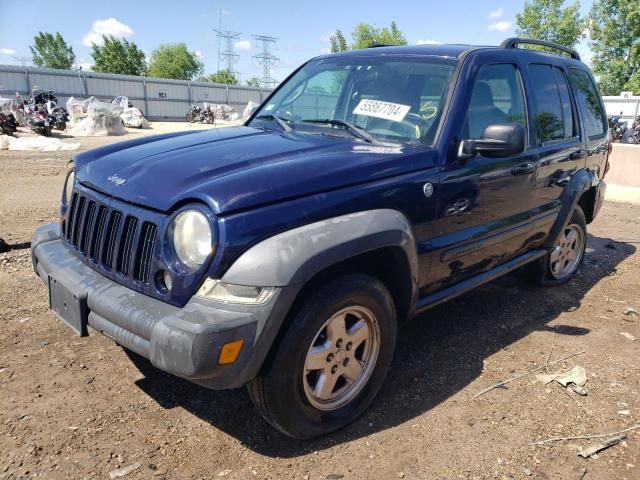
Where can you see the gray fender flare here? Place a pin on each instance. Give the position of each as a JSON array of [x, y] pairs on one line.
[[580, 182], [295, 256]]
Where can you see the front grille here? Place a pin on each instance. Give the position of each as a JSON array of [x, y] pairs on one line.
[[110, 238]]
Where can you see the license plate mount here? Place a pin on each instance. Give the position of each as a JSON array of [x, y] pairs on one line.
[[68, 306]]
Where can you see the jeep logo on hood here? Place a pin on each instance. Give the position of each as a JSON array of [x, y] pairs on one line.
[[117, 180]]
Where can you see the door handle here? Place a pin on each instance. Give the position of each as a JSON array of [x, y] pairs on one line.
[[578, 155], [524, 168]]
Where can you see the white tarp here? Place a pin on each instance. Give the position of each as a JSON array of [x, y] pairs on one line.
[[133, 117], [39, 143], [102, 119]]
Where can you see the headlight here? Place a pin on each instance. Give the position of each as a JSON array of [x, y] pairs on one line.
[[192, 238], [230, 293], [68, 186]]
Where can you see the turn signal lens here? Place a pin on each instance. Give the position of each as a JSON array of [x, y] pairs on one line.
[[229, 352], [229, 293]]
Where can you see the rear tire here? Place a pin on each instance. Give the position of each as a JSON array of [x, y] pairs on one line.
[[565, 259], [331, 361]]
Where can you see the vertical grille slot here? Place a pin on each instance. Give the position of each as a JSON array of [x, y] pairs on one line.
[[77, 220], [98, 232], [110, 238], [72, 209], [87, 226], [145, 251], [126, 245]]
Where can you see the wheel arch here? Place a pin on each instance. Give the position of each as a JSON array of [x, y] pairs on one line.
[[576, 191]]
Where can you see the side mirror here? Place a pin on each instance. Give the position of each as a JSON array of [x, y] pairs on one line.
[[498, 140]]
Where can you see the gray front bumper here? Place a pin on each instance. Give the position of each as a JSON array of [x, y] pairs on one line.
[[183, 341]]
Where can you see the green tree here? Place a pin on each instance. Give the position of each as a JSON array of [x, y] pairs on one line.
[[548, 20], [253, 82], [51, 51], [118, 56], [366, 34], [615, 42], [338, 42], [174, 61], [221, 76]]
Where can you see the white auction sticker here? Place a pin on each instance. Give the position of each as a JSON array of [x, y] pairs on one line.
[[386, 110]]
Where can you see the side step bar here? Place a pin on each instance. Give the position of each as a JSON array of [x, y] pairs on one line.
[[448, 293]]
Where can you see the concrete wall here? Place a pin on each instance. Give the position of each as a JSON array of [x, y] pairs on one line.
[[623, 179], [624, 165]]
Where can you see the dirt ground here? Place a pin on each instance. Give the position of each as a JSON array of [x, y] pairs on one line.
[[74, 407]]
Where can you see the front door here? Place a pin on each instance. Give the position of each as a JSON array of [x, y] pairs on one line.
[[484, 203]]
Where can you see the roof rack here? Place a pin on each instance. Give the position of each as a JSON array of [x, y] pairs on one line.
[[513, 42]]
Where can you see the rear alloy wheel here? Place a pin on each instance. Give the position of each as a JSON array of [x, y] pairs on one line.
[[567, 253], [331, 361], [566, 256]]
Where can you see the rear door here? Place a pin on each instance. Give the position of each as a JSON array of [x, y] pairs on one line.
[[593, 119], [557, 140]]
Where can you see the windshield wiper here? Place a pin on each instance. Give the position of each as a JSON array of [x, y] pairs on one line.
[[349, 127], [282, 122]]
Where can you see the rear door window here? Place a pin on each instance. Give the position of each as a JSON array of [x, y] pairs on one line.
[[553, 110], [595, 121]]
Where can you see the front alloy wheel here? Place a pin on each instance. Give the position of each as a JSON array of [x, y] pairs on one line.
[[332, 359], [341, 358]]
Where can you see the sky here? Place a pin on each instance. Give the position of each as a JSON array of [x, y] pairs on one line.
[[301, 26]]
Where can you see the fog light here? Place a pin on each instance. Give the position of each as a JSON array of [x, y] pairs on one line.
[[229, 352], [168, 282]]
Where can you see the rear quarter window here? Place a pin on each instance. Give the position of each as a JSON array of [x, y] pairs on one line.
[[588, 100]]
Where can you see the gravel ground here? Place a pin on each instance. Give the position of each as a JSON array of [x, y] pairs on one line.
[[75, 407]]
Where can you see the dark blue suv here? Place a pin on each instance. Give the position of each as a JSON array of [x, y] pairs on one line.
[[370, 186]]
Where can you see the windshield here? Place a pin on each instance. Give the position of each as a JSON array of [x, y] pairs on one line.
[[383, 99]]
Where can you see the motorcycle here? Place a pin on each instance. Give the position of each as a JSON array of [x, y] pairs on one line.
[[632, 135], [58, 116], [617, 127], [194, 114], [37, 119], [8, 124]]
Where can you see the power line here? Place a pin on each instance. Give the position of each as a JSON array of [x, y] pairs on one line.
[[266, 59]]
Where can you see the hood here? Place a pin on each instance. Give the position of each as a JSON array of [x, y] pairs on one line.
[[240, 167]]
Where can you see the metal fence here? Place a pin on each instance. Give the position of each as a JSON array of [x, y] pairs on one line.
[[158, 98]]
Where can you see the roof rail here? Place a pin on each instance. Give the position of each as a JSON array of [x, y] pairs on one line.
[[513, 42], [377, 45]]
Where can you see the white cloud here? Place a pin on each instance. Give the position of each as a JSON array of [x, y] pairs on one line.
[[501, 26], [496, 13], [106, 26], [85, 65], [243, 45], [326, 36], [199, 55], [225, 12], [7, 51], [325, 50], [428, 42]]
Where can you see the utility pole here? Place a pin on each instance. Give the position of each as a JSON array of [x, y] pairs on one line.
[[266, 59], [225, 49]]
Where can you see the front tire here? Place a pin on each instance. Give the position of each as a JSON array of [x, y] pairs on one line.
[[566, 257], [331, 361]]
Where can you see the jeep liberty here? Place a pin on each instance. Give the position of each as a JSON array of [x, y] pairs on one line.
[[369, 186]]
